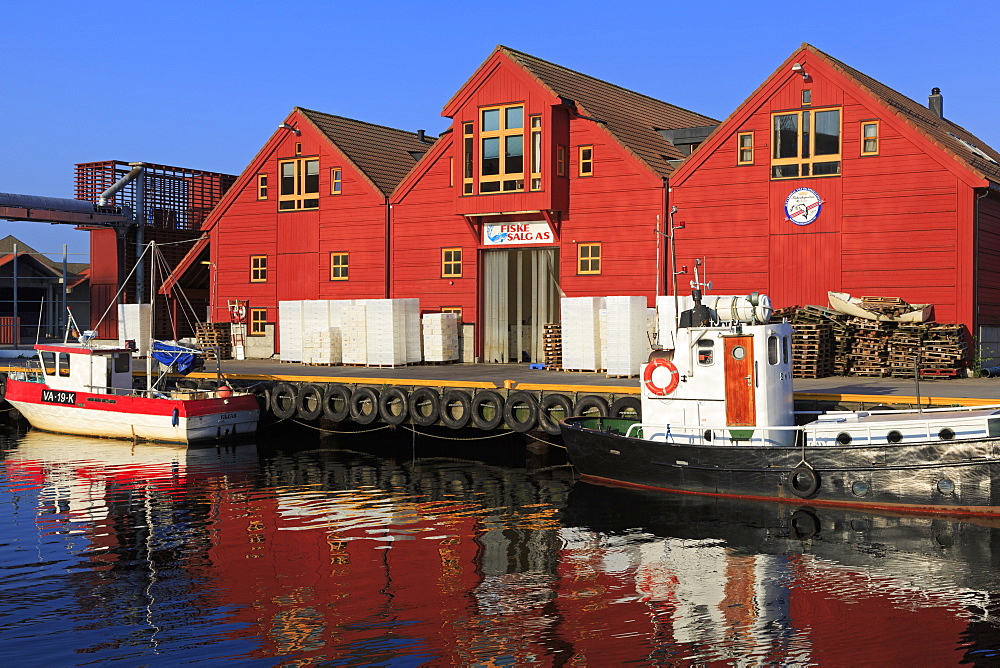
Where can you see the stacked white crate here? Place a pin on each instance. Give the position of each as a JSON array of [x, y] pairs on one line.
[[386, 336], [320, 338], [414, 351], [290, 331], [581, 337], [441, 337], [354, 331], [627, 322], [134, 325]]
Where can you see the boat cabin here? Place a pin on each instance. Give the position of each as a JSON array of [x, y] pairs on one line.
[[79, 368]]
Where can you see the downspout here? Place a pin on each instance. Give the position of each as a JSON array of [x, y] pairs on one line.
[[975, 269], [388, 248]]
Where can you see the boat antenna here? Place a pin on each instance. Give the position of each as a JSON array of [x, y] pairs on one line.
[[38, 327]]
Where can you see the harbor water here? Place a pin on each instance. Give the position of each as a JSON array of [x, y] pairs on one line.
[[393, 547]]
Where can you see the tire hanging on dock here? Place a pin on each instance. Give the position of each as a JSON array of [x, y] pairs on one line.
[[337, 403], [425, 407], [551, 409], [456, 409], [263, 395], [309, 404], [284, 397], [364, 405], [628, 408], [487, 410], [520, 412], [591, 406], [392, 406]]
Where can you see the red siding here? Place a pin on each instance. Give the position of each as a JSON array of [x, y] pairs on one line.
[[895, 224]]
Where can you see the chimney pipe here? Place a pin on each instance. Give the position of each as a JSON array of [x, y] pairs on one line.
[[420, 136], [936, 103]]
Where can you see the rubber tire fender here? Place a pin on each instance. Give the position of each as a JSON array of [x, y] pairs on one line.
[[284, 398], [425, 407], [478, 401], [515, 400], [591, 401], [388, 397], [622, 404], [545, 407], [309, 404], [461, 398], [340, 394], [359, 397], [263, 395], [812, 485]]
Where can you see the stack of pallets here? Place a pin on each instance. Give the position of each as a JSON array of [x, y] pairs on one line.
[[212, 335], [812, 350], [552, 346], [870, 347]]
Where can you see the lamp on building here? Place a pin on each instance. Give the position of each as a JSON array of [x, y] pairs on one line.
[[286, 126], [798, 69]]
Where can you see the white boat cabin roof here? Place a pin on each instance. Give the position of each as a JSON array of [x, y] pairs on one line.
[[80, 349]]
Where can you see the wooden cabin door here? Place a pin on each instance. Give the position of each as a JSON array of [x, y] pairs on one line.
[[741, 404]]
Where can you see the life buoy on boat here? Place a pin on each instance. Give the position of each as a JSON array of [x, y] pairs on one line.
[[647, 377]]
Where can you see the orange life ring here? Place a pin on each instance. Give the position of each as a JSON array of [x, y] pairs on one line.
[[647, 377]]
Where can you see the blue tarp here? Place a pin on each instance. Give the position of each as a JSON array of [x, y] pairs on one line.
[[181, 358]]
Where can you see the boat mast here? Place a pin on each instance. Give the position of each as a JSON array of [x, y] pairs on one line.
[[152, 306]]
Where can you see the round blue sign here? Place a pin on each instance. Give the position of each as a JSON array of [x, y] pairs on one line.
[[803, 206]]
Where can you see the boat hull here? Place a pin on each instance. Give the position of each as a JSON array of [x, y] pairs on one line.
[[168, 420], [956, 477]]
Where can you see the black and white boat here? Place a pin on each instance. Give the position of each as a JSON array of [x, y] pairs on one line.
[[718, 419]]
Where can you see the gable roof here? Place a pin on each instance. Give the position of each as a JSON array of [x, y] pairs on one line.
[[385, 155], [73, 269], [630, 117], [965, 146]]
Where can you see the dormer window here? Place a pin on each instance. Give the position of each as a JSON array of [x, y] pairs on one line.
[[501, 137]]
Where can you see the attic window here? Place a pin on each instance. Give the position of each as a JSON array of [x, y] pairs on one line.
[[806, 143], [299, 184], [501, 141], [975, 149], [336, 180]]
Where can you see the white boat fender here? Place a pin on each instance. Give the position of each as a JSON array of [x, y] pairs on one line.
[[647, 377]]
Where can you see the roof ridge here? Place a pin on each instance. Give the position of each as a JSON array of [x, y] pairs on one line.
[[355, 120], [602, 81]]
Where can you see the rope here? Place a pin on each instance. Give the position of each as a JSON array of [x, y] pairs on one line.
[[554, 445], [455, 438]]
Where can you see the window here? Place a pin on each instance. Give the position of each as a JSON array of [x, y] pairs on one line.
[[457, 310], [745, 148], [772, 349], [338, 266], [560, 160], [536, 152], [262, 186], [586, 161], [467, 157], [807, 96], [501, 136], [298, 148], [451, 172], [588, 258], [299, 186], [806, 143], [258, 321], [336, 180], [706, 352], [451, 263], [869, 138], [258, 268]]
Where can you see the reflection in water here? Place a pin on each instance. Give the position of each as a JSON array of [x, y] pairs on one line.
[[149, 553]]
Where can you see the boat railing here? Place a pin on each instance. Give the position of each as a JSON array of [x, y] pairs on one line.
[[827, 433]]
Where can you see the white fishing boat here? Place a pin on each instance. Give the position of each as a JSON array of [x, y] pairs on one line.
[[717, 419], [79, 387]]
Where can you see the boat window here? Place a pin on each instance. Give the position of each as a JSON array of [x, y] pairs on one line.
[[48, 362], [121, 362], [784, 349], [706, 352], [772, 349], [62, 363]]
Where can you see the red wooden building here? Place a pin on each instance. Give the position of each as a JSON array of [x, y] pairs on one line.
[[825, 179], [548, 183], [307, 219]]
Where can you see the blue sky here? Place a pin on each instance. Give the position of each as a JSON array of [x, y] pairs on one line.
[[203, 84]]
